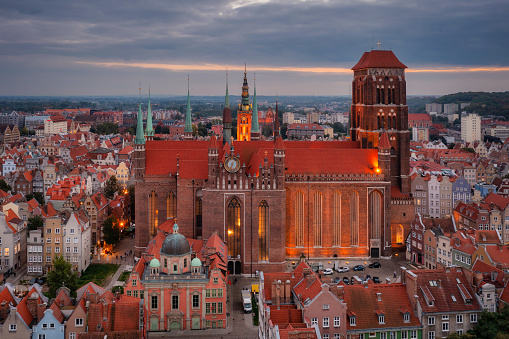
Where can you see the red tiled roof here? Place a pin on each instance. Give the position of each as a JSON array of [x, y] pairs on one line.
[[5, 295], [378, 59], [308, 290], [498, 254], [418, 117], [363, 303], [24, 312], [384, 141], [445, 284], [496, 200]]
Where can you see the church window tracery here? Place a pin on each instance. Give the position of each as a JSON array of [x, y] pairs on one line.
[[354, 218], [171, 206], [299, 219], [152, 213], [233, 232], [375, 214], [336, 218], [317, 219], [263, 237]]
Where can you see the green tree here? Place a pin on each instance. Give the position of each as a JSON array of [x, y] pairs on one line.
[[4, 186], [492, 324], [107, 128], [266, 131], [35, 222], [131, 193], [455, 335], [111, 187], [284, 128], [39, 197], [111, 230], [468, 149], [62, 275]]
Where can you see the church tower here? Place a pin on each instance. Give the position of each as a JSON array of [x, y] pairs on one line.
[[244, 113], [255, 128], [149, 129], [188, 129], [139, 171], [227, 116], [379, 104]]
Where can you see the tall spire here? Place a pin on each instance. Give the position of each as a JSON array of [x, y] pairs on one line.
[[149, 129], [244, 106], [276, 122], [255, 129], [227, 97], [188, 129], [140, 138]]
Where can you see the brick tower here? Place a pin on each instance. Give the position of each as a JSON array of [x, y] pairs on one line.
[[378, 104], [244, 113], [139, 170]]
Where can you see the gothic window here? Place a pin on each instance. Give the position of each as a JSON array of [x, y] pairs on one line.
[[233, 236], [378, 95], [171, 206], [394, 122], [263, 238], [354, 218], [379, 122], [198, 208], [152, 213], [382, 96], [299, 219], [375, 214], [317, 219], [336, 219]]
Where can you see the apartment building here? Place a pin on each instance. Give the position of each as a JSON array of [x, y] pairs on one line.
[[35, 253], [77, 241], [471, 128], [53, 241]]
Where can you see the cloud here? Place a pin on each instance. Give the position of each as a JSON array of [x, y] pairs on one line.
[[303, 36]]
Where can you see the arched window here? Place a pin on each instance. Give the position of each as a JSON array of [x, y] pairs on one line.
[[399, 234], [336, 219], [317, 219], [152, 213], [263, 236], [171, 206], [199, 212], [375, 214], [354, 218], [233, 236], [299, 219]]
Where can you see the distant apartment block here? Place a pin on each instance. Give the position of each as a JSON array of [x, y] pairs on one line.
[[451, 108], [437, 108], [471, 128]]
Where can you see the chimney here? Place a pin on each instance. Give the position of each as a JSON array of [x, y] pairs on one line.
[[403, 274], [288, 292], [273, 292], [439, 283], [341, 292], [32, 306], [40, 311], [478, 276], [105, 311], [4, 310], [93, 297], [117, 294], [500, 247]]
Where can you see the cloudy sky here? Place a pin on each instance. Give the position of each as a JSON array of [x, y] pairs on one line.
[[106, 47]]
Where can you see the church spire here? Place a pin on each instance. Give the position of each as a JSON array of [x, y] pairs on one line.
[[255, 129], [140, 138], [149, 129], [244, 106], [227, 96], [188, 129], [227, 116], [276, 122]]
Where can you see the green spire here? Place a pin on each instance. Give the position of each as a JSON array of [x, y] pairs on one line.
[[254, 125], [149, 129], [188, 128], [140, 138], [227, 97]]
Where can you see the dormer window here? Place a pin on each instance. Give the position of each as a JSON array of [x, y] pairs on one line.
[[353, 321], [381, 319], [406, 317]]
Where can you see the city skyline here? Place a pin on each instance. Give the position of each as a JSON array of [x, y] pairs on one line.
[[300, 48]]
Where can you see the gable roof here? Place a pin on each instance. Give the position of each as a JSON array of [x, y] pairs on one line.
[[378, 59]]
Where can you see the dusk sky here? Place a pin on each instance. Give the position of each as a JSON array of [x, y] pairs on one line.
[[106, 47]]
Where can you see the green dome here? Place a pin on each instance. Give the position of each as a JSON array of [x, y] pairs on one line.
[[195, 262], [155, 263]]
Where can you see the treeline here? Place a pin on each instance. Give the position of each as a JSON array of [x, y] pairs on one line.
[[483, 103]]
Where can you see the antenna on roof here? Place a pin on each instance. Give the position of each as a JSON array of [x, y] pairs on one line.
[[378, 43]]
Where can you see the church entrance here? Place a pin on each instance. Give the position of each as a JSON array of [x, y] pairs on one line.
[[196, 323], [238, 267], [234, 267], [154, 324], [230, 267], [375, 252], [174, 325]]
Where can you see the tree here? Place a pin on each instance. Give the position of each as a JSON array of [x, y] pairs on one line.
[[39, 197], [62, 275], [455, 335], [131, 192], [35, 222], [492, 324], [111, 187], [284, 128], [4, 186], [111, 231], [107, 128], [267, 131]]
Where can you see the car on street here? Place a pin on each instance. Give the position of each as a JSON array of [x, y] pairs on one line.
[[375, 265], [352, 280], [368, 277], [32, 281], [343, 269], [41, 280], [346, 280], [376, 280], [328, 271], [337, 280], [359, 268]]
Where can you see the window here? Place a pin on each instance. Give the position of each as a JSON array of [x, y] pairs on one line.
[[392, 335], [404, 335], [352, 321], [381, 319], [152, 213], [431, 320], [71, 231], [413, 334], [459, 319], [196, 301], [325, 306], [325, 336], [175, 302], [445, 326], [219, 292], [78, 322], [129, 293], [154, 302], [354, 218], [44, 326], [314, 321], [72, 335], [219, 308], [336, 218], [406, 317], [338, 335], [431, 335], [337, 321], [216, 280], [207, 308], [213, 293], [42, 336], [263, 238], [299, 219], [134, 282], [326, 322], [51, 325], [13, 327], [473, 318], [383, 335], [135, 293], [207, 293]]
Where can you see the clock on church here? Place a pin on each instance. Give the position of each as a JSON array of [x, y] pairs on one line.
[[232, 164]]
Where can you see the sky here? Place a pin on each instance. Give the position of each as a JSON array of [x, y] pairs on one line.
[[292, 47]]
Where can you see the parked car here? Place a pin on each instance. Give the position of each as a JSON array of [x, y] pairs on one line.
[[375, 265], [41, 280], [376, 280], [346, 280], [32, 281], [368, 277], [343, 269], [352, 280], [337, 280], [328, 271], [359, 268]]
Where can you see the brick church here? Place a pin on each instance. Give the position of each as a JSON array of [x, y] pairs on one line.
[[273, 200]]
